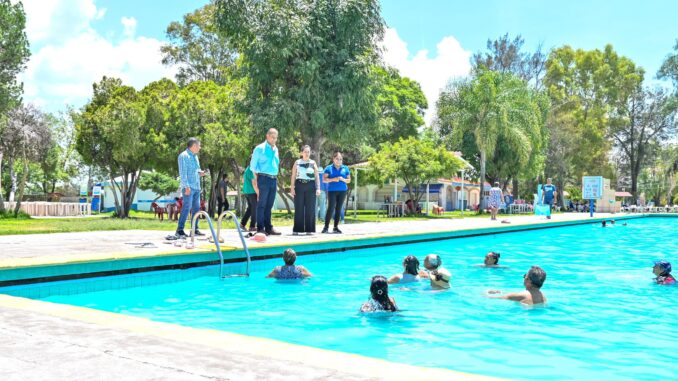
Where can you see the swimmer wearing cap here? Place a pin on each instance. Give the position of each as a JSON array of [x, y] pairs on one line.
[[439, 276], [662, 269]]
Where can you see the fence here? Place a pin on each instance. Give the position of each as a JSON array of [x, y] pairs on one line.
[[52, 209]]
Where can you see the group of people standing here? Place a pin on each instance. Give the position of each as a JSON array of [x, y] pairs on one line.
[[260, 187]]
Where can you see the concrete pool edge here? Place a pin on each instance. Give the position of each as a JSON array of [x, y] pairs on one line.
[[242, 344], [38, 270]]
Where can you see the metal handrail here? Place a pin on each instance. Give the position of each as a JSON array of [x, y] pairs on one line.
[[216, 238]]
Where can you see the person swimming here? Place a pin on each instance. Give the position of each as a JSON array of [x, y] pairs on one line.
[[603, 224], [379, 300], [289, 270], [439, 276], [662, 270], [532, 280], [411, 273], [492, 259]]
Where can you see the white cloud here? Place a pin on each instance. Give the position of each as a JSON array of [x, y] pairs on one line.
[[69, 55], [434, 73]]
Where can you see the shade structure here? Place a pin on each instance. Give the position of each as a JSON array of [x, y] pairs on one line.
[[622, 194]]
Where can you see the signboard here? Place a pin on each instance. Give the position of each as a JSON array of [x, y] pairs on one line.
[[592, 187], [96, 190]]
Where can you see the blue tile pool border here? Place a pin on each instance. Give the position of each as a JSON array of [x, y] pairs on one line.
[[81, 270]]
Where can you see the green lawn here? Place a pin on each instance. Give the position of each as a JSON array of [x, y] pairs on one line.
[[146, 221]]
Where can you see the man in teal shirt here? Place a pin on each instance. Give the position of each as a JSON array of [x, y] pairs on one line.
[[265, 166], [249, 189]]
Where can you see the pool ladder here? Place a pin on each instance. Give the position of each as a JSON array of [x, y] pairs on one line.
[[217, 239]]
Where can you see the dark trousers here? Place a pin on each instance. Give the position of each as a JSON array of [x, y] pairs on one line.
[[268, 186], [304, 207], [251, 211], [336, 201], [221, 205]]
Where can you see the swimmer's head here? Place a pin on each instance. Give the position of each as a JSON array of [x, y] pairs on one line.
[[661, 268], [432, 261], [612, 222], [492, 258], [379, 287], [289, 256], [603, 224], [411, 264], [534, 277]]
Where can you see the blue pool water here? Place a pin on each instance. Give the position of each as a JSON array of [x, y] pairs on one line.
[[605, 318]]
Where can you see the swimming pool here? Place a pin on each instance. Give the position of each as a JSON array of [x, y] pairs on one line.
[[605, 318]]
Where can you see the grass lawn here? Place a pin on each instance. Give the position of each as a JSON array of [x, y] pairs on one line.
[[146, 221]]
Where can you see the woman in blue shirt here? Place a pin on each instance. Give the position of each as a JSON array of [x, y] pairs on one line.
[[337, 177]]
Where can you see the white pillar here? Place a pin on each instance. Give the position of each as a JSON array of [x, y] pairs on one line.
[[462, 193]]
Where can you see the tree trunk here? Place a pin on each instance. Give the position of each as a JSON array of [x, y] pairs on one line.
[[116, 189], [514, 190], [2, 200], [12, 177], [238, 180], [22, 187], [483, 205]]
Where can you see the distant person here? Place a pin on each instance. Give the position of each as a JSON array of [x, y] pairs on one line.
[[289, 270], [322, 198], [172, 210], [337, 177], [612, 222], [603, 224], [533, 280], [440, 277], [662, 269], [189, 176], [251, 191], [222, 194], [305, 188], [410, 273], [491, 259], [265, 164], [549, 195], [379, 300], [494, 201]]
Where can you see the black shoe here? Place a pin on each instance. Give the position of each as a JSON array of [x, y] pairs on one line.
[[325, 231], [295, 233], [253, 229], [273, 232], [309, 233], [180, 235], [336, 231], [198, 233]]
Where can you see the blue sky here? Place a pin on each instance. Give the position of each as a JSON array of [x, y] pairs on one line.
[[75, 42]]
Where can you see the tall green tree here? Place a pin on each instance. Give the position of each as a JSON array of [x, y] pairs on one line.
[[401, 104], [14, 54], [196, 47], [497, 113], [669, 68], [309, 65], [649, 118], [586, 88], [416, 161], [158, 183], [61, 162]]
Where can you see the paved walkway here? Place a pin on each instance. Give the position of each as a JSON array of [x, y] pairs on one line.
[[111, 244]]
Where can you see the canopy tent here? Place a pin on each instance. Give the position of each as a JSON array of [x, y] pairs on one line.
[[622, 194]]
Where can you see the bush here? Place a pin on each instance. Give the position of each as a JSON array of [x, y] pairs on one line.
[[10, 214]]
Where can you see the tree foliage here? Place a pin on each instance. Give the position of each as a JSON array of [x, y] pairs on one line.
[[669, 68], [498, 116], [158, 183], [416, 161], [199, 51], [308, 64], [14, 53]]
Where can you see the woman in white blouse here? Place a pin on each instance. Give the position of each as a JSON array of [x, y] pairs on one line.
[[305, 188]]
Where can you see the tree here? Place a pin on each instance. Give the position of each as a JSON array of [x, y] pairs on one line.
[[496, 113], [25, 139], [506, 56], [309, 65], [197, 49], [14, 54], [113, 133], [669, 68], [585, 88], [416, 161], [61, 162], [158, 183], [649, 117]]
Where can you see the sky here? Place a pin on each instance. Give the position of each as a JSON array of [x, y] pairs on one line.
[[76, 42]]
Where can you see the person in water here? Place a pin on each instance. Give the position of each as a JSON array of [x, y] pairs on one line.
[[439, 276], [411, 273], [603, 224], [492, 259], [379, 299], [662, 269], [289, 270], [533, 280]]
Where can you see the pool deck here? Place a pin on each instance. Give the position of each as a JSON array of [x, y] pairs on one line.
[[43, 340], [43, 249]]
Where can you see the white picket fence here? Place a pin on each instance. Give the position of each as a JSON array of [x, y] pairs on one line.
[[52, 209]]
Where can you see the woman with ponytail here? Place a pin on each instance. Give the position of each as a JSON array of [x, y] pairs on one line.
[[379, 301]]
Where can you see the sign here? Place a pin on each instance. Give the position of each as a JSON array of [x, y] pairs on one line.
[[96, 190], [592, 187]]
